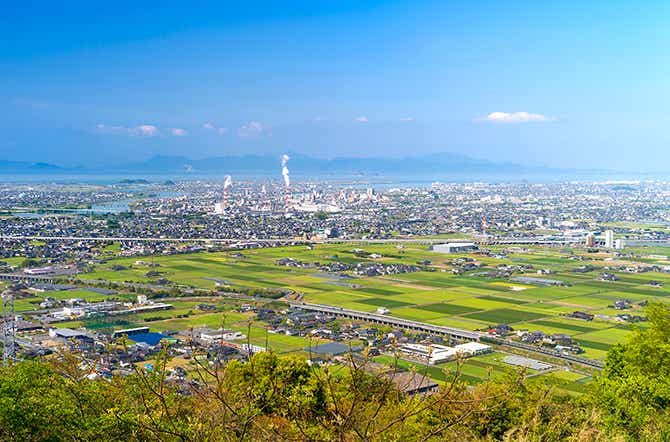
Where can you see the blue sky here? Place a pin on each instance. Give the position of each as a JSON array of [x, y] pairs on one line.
[[562, 84]]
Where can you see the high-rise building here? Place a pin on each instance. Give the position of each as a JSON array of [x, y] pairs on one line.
[[609, 239], [590, 240]]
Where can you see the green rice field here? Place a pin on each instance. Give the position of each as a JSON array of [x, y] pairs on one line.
[[470, 300]]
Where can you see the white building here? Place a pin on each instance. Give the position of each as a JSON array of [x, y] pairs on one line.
[[40, 271], [433, 354], [590, 240], [453, 247], [609, 239], [215, 335], [73, 312], [473, 348], [436, 354], [317, 207]]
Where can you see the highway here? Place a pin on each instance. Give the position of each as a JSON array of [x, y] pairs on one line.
[[374, 318], [390, 320], [441, 330], [511, 241], [357, 315]]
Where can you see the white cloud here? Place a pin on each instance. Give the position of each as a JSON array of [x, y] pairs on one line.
[[407, 119], [212, 127], [362, 119], [514, 117], [251, 129], [145, 130], [177, 132]]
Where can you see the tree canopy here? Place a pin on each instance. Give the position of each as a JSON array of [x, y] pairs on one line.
[[273, 397]]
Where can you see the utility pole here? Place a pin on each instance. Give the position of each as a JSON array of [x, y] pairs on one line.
[[8, 328]]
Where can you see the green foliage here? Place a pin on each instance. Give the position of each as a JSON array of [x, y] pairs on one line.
[[634, 389], [283, 386], [37, 403], [273, 397], [29, 262]]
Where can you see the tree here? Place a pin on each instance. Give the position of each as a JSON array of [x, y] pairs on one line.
[[634, 389]]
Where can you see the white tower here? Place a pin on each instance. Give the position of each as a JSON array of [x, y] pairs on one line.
[[609, 239]]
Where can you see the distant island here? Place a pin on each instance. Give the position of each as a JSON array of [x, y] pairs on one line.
[[134, 181]]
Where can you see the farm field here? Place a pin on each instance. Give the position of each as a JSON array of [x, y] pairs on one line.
[[185, 316], [490, 366], [90, 295], [470, 300]]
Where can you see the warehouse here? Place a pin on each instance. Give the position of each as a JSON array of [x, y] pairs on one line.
[[454, 247], [433, 354], [473, 348]]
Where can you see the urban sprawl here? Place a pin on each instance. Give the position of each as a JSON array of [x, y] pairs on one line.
[[486, 277]]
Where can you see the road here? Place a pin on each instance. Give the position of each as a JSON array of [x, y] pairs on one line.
[[520, 241], [386, 320], [390, 320], [441, 330]]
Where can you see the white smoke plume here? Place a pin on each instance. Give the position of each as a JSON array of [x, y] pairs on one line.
[[284, 172], [227, 182], [284, 169]]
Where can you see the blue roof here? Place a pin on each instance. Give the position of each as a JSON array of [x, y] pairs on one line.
[[150, 338], [334, 348]]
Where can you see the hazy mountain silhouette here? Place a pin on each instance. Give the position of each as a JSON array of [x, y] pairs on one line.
[[299, 163]]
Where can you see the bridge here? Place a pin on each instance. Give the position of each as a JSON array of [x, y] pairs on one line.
[[389, 320], [50, 279], [464, 335], [279, 241]]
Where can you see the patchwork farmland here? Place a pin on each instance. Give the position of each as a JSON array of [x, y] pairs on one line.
[[440, 293]]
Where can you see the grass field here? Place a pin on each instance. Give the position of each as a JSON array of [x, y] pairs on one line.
[[33, 303], [469, 301], [479, 369]]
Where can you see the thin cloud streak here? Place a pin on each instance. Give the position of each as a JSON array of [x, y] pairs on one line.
[[252, 128], [143, 130], [514, 117]]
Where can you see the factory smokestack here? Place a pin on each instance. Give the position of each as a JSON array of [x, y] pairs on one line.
[[226, 184], [287, 179]]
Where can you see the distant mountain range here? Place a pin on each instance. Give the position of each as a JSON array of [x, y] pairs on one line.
[[19, 167], [299, 164]]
